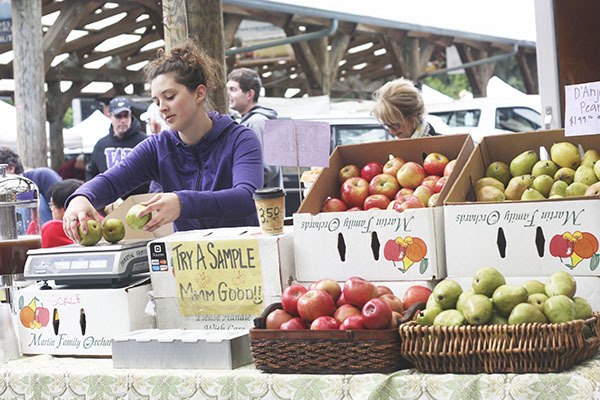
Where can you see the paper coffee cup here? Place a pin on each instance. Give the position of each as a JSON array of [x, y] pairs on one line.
[[270, 207]]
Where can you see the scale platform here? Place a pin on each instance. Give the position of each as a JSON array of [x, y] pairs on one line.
[[74, 264]]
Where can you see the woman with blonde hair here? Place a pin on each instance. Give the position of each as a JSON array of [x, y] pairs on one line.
[[400, 108]]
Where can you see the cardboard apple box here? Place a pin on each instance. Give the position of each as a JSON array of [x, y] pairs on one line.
[[516, 236], [120, 212], [263, 265], [79, 321], [339, 245]]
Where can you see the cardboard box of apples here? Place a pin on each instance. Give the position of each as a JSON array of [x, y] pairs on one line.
[[377, 224], [356, 325], [516, 224]]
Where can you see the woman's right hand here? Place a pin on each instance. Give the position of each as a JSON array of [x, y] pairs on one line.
[[79, 211]]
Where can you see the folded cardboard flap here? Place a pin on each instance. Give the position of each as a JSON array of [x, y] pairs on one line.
[[121, 211]]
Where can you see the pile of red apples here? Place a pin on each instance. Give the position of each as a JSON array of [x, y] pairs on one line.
[[395, 185], [358, 304]]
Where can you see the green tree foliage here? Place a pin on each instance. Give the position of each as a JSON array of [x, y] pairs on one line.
[[68, 118], [449, 84]]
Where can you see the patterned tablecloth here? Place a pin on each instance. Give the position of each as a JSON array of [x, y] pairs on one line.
[[47, 377]]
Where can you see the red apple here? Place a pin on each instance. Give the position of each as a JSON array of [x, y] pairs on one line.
[[341, 301], [276, 318], [430, 181], [423, 193], [293, 324], [354, 191], [394, 302], [42, 315], [344, 311], [433, 200], [290, 296], [415, 294], [410, 175], [410, 201], [439, 186], [404, 192], [382, 289], [376, 314], [392, 166], [333, 204], [355, 208], [353, 322], [358, 291], [449, 167], [371, 169], [384, 184], [324, 323], [348, 171], [435, 163], [378, 201], [330, 286], [315, 303]]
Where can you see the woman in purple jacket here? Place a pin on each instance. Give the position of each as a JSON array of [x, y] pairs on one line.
[[208, 165]]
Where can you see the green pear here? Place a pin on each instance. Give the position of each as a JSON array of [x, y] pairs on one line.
[[561, 282], [93, 235], [515, 188], [498, 170], [534, 286], [427, 316], [449, 318], [565, 154], [576, 189], [446, 293], [523, 163], [590, 157], [585, 175], [462, 298], [559, 188], [487, 181], [597, 170], [525, 313], [490, 193], [559, 308], [537, 300], [587, 332], [593, 190], [544, 167], [477, 309], [113, 230], [497, 319], [532, 194], [583, 309], [486, 280], [506, 297], [431, 302], [543, 184], [565, 174], [133, 220]]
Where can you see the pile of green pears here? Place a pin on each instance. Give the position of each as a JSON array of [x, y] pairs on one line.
[[491, 301], [565, 174]]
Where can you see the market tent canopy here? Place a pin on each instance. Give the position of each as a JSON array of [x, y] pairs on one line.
[[83, 136]]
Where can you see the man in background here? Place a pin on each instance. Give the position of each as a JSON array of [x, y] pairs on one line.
[[123, 135], [243, 88]]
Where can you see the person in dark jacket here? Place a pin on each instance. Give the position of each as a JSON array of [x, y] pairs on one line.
[[208, 165], [243, 88], [123, 135], [399, 106]]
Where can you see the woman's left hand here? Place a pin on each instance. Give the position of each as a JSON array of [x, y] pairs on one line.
[[165, 208]]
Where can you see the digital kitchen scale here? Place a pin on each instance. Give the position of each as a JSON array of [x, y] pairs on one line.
[[74, 264]]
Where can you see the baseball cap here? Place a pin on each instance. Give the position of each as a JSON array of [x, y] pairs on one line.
[[118, 105]]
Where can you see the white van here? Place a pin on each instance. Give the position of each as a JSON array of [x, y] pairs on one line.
[[487, 116]]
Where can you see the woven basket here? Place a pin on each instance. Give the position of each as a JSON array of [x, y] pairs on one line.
[[324, 352], [519, 348]]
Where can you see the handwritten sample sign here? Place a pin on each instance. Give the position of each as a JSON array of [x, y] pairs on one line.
[[218, 277], [582, 109], [290, 143]]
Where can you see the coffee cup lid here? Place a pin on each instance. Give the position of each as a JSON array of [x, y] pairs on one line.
[[268, 193]]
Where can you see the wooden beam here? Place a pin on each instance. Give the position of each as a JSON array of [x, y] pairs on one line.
[[79, 74], [392, 41], [308, 62], [528, 67]]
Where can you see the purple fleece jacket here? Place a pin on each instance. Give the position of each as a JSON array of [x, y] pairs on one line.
[[214, 179]]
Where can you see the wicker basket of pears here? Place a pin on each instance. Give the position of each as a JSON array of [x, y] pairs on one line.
[[501, 328]]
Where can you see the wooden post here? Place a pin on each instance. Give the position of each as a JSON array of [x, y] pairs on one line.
[[28, 70], [202, 21]]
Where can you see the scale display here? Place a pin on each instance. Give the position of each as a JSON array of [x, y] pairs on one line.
[[76, 264]]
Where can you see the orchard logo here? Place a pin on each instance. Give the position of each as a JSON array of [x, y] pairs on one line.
[[34, 315], [575, 247], [408, 250]]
